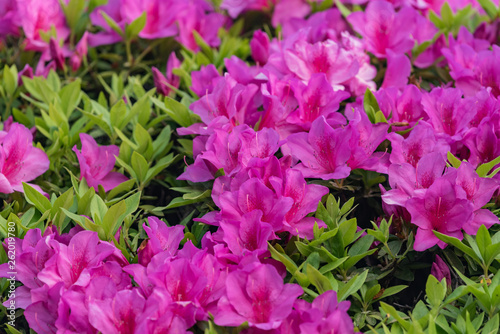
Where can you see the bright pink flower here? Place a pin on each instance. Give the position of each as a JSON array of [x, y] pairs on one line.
[[421, 141], [203, 80], [326, 315], [8, 18], [385, 29], [306, 198], [447, 112], [19, 160], [252, 195], [36, 16], [323, 151], [258, 296], [96, 163], [114, 10], [80, 52], [160, 16], [236, 7], [328, 57], [249, 234], [192, 17], [398, 70], [286, 10], [439, 210], [317, 99], [259, 45], [364, 140], [171, 79], [118, 315], [162, 238], [479, 192]]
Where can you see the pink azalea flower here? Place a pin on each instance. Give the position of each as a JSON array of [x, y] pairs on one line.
[[118, 315], [439, 210], [447, 112], [385, 29], [421, 141], [162, 238], [108, 36], [236, 7], [326, 315], [192, 17], [258, 296], [440, 270], [80, 52], [328, 57], [171, 79], [96, 163], [317, 99], [203, 81], [398, 70], [19, 160], [160, 16], [248, 235], [36, 16], [8, 18], [259, 45], [323, 151]]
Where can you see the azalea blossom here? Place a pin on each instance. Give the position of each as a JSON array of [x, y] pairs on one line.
[[97, 163]]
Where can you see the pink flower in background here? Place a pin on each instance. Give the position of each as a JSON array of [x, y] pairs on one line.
[[36, 16], [305, 59], [160, 16], [96, 163], [108, 36], [171, 79], [385, 29], [19, 160], [8, 18], [259, 45], [440, 270]]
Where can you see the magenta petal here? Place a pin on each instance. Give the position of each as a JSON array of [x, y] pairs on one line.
[[112, 180]]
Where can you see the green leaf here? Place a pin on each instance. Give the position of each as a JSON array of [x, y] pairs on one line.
[[205, 48], [343, 9], [35, 198], [483, 240], [9, 81], [321, 283], [483, 169], [140, 166], [489, 7], [435, 290], [178, 112], [351, 287], [370, 105], [492, 326], [454, 161], [459, 244], [289, 264], [392, 311], [117, 213], [392, 291], [134, 28], [447, 14], [112, 23], [64, 201], [160, 166], [181, 201]]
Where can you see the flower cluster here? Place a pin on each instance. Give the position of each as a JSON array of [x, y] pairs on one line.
[[75, 282]]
